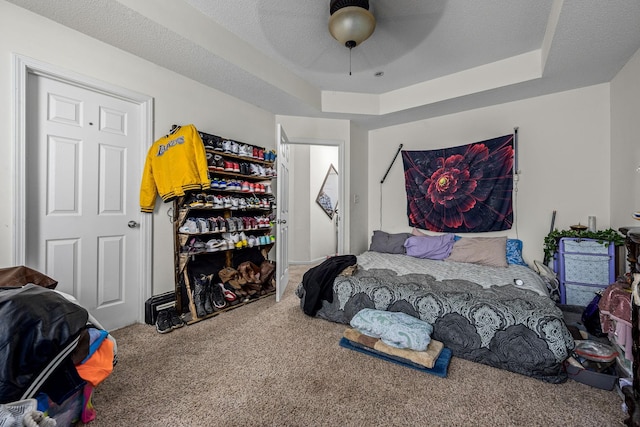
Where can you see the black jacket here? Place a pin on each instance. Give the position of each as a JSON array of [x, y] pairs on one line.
[[318, 281]]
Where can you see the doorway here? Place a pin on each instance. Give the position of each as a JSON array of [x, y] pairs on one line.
[[80, 146], [315, 232]]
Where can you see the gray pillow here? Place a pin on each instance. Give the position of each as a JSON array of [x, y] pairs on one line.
[[388, 243], [490, 251]]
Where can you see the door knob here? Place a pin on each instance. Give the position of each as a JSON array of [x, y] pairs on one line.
[[132, 224]]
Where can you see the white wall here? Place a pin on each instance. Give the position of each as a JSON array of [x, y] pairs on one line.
[[176, 100], [625, 144], [358, 194], [564, 157], [299, 205]]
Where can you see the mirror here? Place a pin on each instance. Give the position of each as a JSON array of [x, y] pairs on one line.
[[328, 195]]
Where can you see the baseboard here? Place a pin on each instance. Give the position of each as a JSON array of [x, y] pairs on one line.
[[313, 261]]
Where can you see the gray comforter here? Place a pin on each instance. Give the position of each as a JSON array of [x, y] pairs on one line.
[[501, 325]]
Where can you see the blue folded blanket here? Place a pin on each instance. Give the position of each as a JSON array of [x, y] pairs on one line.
[[396, 329]]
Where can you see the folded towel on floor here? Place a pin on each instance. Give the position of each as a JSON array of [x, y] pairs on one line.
[[439, 369], [426, 358]]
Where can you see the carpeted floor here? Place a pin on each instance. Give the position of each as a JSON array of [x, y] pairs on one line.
[[268, 364]]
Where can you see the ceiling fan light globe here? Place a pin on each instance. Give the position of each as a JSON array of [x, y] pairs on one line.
[[351, 24]]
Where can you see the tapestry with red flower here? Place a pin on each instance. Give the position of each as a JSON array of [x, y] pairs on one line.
[[461, 189]]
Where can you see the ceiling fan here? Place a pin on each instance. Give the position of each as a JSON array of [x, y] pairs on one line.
[[395, 27], [351, 22]]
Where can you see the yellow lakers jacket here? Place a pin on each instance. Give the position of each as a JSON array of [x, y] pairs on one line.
[[175, 163]]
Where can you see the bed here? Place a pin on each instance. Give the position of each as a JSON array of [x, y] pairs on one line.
[[478, 311]]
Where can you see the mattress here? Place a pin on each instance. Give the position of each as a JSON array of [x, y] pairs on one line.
[[477, 311]]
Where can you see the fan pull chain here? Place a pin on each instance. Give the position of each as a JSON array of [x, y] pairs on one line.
[[350, 61]]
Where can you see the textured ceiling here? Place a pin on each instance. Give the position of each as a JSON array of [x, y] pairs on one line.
[[456, 54]]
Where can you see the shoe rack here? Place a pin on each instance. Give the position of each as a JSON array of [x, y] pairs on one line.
[[223, 223]]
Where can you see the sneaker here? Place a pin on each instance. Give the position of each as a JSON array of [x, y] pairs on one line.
[[228, 166], [227, 293], [215, 245], [163, 322], [203, 225], [247, 223], [226, 146], [243, 240], [218, 203], [175, 319], [213, 225], [222, 224], [218, 162], [231, 237], [231, 224], [194, 246], [195, 201], [210, 161], [189, 226], [209, 200], [229, 243], [217, 297], [207, 141], [236, 222]]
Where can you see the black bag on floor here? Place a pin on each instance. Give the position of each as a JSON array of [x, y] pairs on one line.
[[37, 326], [591, 317]]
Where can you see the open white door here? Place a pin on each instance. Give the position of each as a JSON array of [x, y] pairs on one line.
[[282, 213]]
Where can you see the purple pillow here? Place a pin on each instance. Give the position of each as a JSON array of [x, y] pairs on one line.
[[432, 247]]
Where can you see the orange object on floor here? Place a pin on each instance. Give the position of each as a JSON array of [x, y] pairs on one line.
[[99, 366]]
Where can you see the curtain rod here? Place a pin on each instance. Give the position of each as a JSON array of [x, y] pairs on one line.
[[515, 151], [392, 162]]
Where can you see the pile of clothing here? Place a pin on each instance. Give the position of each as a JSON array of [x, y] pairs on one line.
[[53, 353]]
